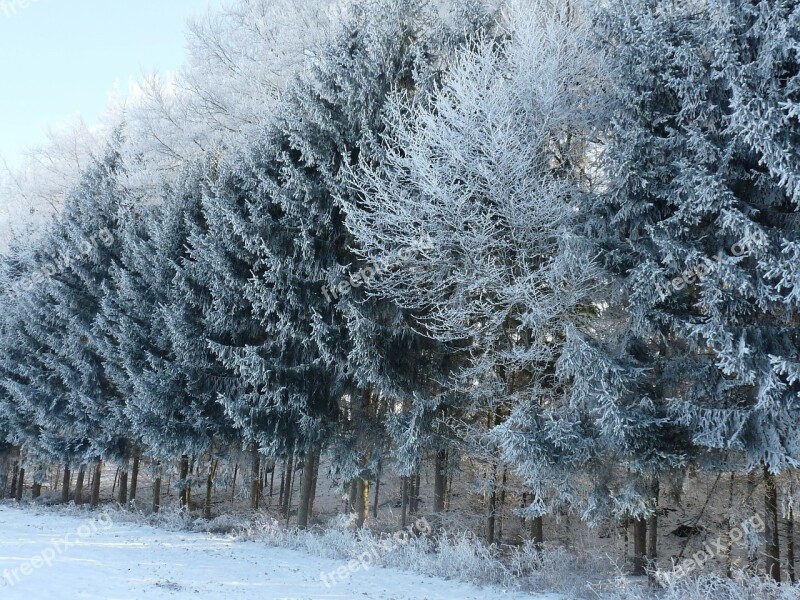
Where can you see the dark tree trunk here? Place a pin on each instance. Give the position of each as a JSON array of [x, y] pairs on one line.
[[537, 532], [233, 486], [772, 552], [362, 503], [491, 515], [14, 478], [98, 471], [790, 558], [287, 495], [123, 487], [157, 489], [404, 502], [212, 470], [65, 484], [20, 484], [255, 481], [729, 549], [314, 484], [639, 546], [502, 506], [652, 524], [283, 484], [307, 489], [377, 491], [185, 491], [79, 485], [272, 482], [134, 478], [439, 481], [352, 497]]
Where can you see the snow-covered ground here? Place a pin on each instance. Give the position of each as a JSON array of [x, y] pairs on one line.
[[58, 557]]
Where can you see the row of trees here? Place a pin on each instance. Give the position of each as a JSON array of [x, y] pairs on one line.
[[561, 241]]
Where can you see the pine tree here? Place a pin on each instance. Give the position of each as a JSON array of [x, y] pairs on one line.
[[698, 230], [470, 209]]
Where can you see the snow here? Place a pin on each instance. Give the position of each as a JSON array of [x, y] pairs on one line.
[[59, 557]]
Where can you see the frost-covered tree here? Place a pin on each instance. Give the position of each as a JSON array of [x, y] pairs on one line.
[[293, 223], [240, 58], [155, 327], [52, 371], [699, 230], [32, 191], [487, 174]]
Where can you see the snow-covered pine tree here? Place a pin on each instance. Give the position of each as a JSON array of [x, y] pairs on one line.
[[486, 174], [34, 408], [328, 119], [51, 367], [153, 317], [87, 245], [699, 229]]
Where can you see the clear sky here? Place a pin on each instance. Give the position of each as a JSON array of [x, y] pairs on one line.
[[59, 58]]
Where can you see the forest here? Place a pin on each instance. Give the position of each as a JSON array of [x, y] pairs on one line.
[[523, 260]]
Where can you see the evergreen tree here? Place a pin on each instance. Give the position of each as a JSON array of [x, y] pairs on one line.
[[697, 231]]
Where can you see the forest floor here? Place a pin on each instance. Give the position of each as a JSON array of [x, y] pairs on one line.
[[75, 557]]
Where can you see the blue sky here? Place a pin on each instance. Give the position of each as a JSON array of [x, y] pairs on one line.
[[59, 58]]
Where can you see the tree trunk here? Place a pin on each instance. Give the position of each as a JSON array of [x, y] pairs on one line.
[[185, 491], [157, 489], [306, 490], [287, 499], [36, 490], [729, 549], [98, 471], [772, 558], [362, 503], [233, 486], [652, 524], [790, 560], [20, 484], [752, 484], [65, 484], [79, 485], [282, 488], [639, 546], [404, 502], [491, 508], [412, 482], [317, 458], [537, 532], [377, 491], [212, 470], [14, 478], [116, 480], [255, 480], [502, 505], [439, 480], [272, 482], [352, 497], [123, 487], [134, 478]]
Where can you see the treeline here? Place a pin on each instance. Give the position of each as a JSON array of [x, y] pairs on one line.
[[563, 241]]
